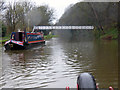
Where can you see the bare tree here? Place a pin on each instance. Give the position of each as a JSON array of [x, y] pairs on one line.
[[42, 15], [15, 15], [97, 18]]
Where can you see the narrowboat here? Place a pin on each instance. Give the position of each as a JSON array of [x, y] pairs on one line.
[[24, 40]]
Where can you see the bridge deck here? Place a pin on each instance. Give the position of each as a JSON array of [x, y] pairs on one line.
[[63, 27]]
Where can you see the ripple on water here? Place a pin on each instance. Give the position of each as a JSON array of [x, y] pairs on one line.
[[58, 65]]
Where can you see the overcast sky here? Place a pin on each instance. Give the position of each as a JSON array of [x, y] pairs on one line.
[[58, 5]]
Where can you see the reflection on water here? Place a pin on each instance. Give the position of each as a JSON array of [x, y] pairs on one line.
[[0, 60], [59, 63]]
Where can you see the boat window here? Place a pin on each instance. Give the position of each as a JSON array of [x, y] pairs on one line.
[[20, 36], [13, 37], [17, 36]]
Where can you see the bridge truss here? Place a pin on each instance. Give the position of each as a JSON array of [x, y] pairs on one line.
[[63, 27]]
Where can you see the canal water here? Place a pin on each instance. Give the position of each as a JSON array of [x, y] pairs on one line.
[[58, 63]]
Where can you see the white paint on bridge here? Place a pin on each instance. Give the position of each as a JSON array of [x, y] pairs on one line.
[[62, 27]]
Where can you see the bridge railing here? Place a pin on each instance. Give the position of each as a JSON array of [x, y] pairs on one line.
[[63, 27]]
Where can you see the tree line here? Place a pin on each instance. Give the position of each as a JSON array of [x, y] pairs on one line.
[[21, 15], [102, 15]]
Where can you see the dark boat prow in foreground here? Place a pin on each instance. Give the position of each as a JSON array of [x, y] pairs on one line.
[[24, 40]]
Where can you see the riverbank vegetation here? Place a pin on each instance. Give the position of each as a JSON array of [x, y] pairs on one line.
[[49, 36], [4, 39], [24, 15], [102, 15], [110, 34], [46, 37]]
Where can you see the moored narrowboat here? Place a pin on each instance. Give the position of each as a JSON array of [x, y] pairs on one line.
[[24, 40]]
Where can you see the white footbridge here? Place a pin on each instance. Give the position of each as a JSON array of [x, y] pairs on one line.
[[63, 27]]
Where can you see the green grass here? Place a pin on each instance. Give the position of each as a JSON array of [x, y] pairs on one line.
[[49, 36], [4, 39], [113, 32]]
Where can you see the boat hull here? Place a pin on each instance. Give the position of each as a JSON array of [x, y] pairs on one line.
[[24, 40], [14, 46]]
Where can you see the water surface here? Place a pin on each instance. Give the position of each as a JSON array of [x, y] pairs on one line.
[[59, 62]]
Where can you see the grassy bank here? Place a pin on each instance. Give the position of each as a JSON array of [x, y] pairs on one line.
[[49, 36], [4, 39], [7, 37], [110, 34]]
